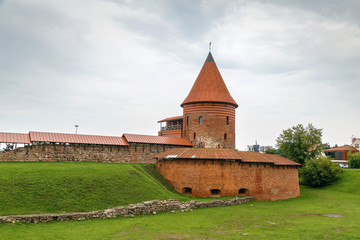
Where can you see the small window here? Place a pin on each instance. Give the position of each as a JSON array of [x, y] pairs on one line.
[[357, 145], [225, 136], [243, 191], [187, 190], [187, 120], [200, 120], [215, 191], [227, 120], [194, 135]]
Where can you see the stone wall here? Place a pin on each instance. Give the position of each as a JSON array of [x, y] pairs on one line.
[[134, 153], [148, 207], [231, 178]]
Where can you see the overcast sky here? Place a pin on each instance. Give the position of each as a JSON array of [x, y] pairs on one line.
[[117, 67]]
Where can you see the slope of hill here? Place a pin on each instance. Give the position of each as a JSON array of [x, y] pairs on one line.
[[27, 188]]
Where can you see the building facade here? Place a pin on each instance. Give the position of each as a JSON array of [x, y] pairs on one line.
[[213, 167]]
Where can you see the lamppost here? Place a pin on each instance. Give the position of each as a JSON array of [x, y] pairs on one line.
[[76, 127]]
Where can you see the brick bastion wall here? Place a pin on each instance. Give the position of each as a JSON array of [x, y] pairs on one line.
[[147, 207], [204, 178], [134, 153]]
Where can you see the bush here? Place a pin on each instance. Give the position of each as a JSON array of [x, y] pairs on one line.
[[319, 172], [354, 160]]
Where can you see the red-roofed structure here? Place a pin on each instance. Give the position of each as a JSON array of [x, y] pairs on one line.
[[137, 138], [225, 154], [340, 153], [14, 138], [209, 86], [211, 168], [76, 138]]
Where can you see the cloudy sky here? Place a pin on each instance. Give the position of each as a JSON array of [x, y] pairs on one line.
[[117, 67]]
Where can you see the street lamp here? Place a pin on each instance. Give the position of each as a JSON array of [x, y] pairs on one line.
[[76, 127]]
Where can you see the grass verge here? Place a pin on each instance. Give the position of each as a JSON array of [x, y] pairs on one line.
[[299, 218]]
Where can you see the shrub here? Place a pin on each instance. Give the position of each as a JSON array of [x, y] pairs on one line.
[[354, 160], [319, 172]]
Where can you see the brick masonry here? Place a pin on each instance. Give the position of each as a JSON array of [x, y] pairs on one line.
[[134, 153], [147, 207], [263, 181], [217, 120]]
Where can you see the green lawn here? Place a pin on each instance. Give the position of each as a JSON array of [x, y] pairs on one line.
[[27, 188], [300, 218]]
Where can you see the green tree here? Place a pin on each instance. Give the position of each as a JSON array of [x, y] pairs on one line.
[[354, 160], [319, 172], [270, 151], [299, 143]]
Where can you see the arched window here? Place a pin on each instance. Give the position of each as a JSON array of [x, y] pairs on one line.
[[215, 191], [243, 191], [187, 190], [227, 120], [200, 120], [194, 135], [225, 136], [187, 120]]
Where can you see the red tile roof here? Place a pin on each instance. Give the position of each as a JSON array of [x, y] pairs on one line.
[[171, 118], [225, 154], [342, 149], [209, 86], [14, 138], [136, 138], [76, 138]]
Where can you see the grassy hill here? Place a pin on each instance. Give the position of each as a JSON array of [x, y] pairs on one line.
[[299, 218], [27, 188]]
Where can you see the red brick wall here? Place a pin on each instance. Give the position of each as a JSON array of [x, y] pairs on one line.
[[264, 182], [210, 134], [135, 153], [170, 133]]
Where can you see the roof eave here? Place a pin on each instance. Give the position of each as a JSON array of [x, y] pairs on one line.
[[186, 103]]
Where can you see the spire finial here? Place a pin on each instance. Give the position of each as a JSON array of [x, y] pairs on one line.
[[210, 47]]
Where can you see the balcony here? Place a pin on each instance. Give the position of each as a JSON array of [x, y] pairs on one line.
[[171, 127]]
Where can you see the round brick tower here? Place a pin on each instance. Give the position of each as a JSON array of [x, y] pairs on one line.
[[209, 110]]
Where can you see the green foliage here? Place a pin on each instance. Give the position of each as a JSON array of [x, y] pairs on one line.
[[270, 151], [319, 172], [299, 143], [285, 219], [354, 160]]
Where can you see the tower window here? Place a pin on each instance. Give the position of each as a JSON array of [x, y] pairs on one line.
[[194, 135], [227, 120], [200, 120], [187, 120], [225, 136]]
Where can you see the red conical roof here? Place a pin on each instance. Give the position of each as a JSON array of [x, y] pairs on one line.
[[209, 86]]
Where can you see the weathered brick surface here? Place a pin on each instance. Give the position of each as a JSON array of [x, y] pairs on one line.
[[210, 134], [135, 153], [147, 207], [263, 181]]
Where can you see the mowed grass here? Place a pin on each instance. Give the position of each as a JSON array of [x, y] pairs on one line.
[[300, 218], [27, 188]]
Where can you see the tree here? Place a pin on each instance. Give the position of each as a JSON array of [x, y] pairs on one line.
[[299, 143], [319, 172], [270, 151], [354, 160]]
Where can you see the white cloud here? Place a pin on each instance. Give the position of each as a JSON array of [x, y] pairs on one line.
[[119, 66]]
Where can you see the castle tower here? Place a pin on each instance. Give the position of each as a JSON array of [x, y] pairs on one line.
[[209, 110]]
